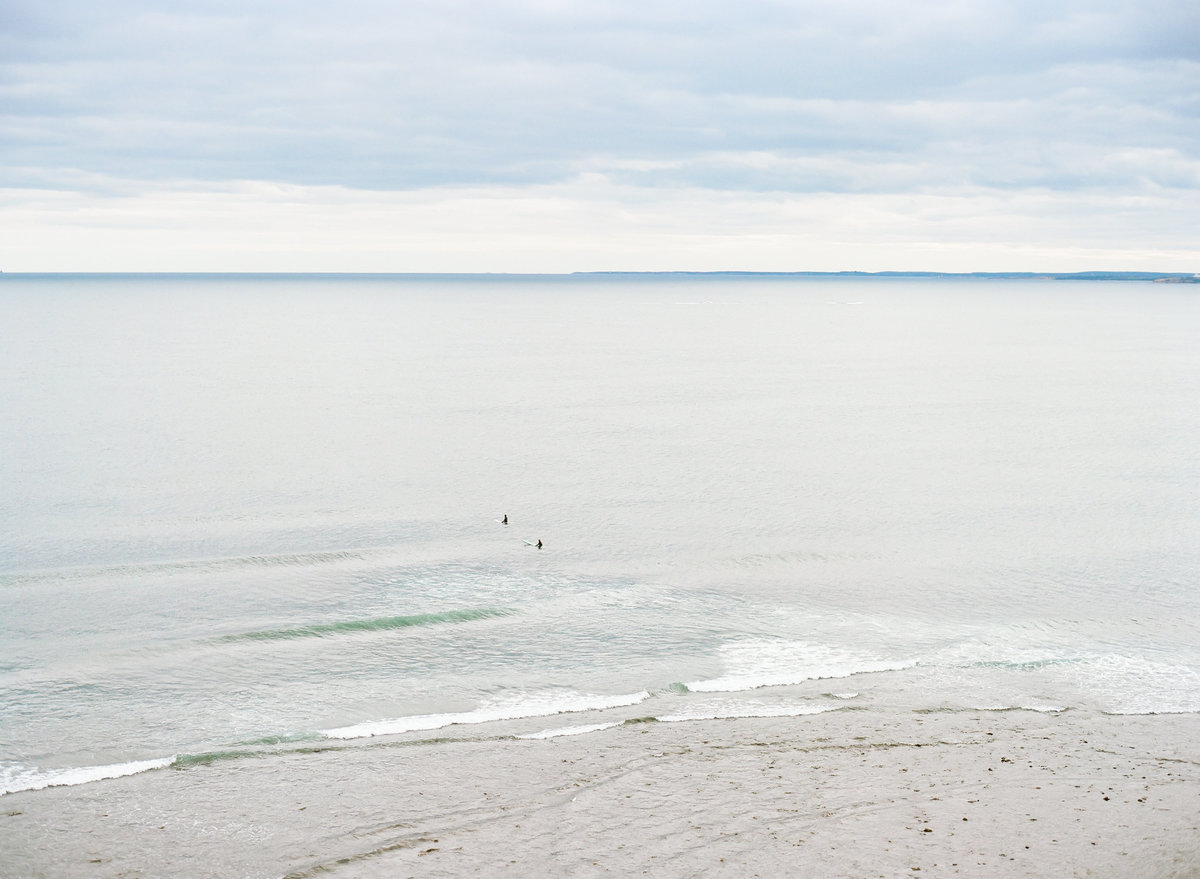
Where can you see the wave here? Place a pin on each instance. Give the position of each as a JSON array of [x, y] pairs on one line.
[[569, 730], [730, 712], [762, 663], [997, 676], [288, 739], [14, 779], [1136, 685], [296, 559], [538, 704], [1003, 652], [322, 630], [184, 761], [1153, 710]]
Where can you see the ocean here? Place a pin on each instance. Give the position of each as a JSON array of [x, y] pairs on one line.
[[243, 516]]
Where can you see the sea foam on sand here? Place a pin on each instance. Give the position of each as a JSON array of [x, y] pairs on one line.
[[848, 793]]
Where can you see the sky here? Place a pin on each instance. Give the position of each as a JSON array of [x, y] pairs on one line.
[[551, 136]]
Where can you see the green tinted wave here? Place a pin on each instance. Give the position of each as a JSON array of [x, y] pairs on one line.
[[185, 761], [377, 624]]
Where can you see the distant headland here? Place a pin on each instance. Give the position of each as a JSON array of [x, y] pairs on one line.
[[1162, 277], [1159, 277]]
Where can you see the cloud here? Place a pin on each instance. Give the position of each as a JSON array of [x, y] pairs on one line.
[[589, 223], [759, 100], [405, 95]]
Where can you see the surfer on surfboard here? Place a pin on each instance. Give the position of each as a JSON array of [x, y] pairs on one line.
[[504, 521]]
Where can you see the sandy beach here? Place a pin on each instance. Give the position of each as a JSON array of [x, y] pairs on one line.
[[852, 793]]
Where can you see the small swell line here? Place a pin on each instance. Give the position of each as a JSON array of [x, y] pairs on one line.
[[376, 624]]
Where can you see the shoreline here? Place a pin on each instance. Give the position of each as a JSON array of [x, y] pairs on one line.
[[849, 793]]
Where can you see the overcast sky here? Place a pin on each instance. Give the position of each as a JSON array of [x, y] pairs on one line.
[[539, 135]]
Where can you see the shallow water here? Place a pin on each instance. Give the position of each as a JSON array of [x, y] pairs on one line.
[[240, 513]]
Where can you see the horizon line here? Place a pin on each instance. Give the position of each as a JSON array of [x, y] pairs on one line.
[[851, 273]]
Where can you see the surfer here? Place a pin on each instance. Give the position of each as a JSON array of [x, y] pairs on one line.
[[539, 543], [504, 521]]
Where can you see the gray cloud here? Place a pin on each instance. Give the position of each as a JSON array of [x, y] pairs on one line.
[[793, 96]]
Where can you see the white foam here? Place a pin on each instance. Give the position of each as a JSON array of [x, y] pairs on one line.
[[763, 663], [1135, 708], [1003, 653], [514, 707], [569, 731], [746, 709], [1041, 707], [1136, 685], [14, 779], [997, 676]]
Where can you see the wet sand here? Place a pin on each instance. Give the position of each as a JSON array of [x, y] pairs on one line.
[[853, 793]]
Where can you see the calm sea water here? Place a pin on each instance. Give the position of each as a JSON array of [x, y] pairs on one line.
[[238, 513]]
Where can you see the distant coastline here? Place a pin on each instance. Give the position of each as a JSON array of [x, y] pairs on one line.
[[1159, 277], [1165, 277]]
